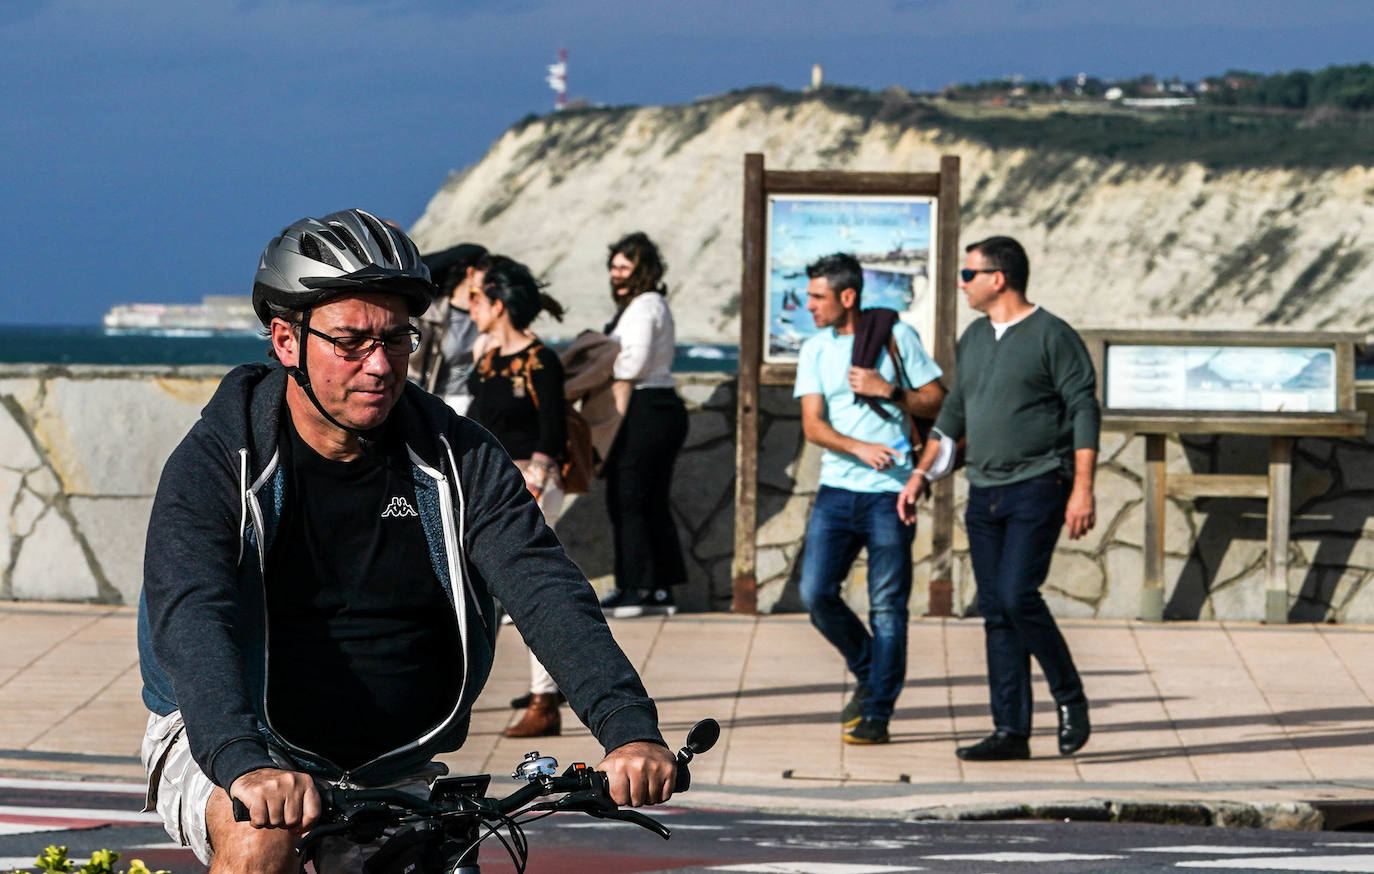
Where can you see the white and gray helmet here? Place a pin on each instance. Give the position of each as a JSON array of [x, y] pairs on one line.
[[314, 260]]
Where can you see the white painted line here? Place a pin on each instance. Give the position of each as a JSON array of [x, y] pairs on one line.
[[676, 828], [71, 786], [80, 813], [809, 823], [1362, 864], [1355, 844], [1204, 850], [23, 828], [812, 868], [1010, 856]]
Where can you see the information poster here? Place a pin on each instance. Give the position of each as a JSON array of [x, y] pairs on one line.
[[1291, 379], [891, 238]]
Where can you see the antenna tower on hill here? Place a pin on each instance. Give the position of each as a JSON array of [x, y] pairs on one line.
[[558, 79]]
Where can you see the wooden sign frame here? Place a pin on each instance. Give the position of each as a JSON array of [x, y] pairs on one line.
[[759, 183], [1282, 428]]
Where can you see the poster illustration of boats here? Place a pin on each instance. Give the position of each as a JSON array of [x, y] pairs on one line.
[[890, 237]]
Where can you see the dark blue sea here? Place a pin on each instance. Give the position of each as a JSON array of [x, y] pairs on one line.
[[48, 344]]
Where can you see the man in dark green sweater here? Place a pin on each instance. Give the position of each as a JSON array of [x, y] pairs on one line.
[[1024, 397]]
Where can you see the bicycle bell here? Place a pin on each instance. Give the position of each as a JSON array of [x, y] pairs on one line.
[[535, 766]]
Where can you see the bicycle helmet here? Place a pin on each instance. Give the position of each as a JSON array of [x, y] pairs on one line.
[[314, 260]]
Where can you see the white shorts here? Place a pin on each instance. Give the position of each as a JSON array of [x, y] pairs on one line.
[[179, 791]]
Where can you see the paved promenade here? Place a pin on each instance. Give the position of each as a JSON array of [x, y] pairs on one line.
[[1238, 718]]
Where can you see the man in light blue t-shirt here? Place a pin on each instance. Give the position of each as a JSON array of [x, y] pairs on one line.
[[865, 464]]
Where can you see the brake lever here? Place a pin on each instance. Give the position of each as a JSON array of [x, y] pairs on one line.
[[632, 816]]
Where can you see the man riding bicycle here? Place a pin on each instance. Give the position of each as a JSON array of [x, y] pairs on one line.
[[323, 555]]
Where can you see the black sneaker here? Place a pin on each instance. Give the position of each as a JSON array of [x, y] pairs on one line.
[[854, 710], [622, 603], [868, 731], [659, 602]]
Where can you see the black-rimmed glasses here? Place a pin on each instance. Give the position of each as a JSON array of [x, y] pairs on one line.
[[356, 347], [967, 275]]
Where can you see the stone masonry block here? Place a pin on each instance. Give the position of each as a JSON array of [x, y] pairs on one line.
[[51, 565], [115, 529], [1075, 575], [702, 479], [19, 451], [788, 524], [777, 401], [771, 563], [87, 426], [24, 390], [778, 449], [1359, 606], [707, 426], [1356, 464]]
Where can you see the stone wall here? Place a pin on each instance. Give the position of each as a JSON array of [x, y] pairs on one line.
[[81, 449]]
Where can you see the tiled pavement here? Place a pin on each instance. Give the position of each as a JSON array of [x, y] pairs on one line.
[[1184, 712]]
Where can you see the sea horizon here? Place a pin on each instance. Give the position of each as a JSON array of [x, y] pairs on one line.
[[95, 345]]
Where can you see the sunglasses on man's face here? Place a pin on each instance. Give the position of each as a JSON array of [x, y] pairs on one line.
[[967, 275]]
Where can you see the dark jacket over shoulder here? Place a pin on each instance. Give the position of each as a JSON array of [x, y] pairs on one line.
[[202, 637]]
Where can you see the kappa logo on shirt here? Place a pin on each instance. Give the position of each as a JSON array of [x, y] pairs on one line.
[[399, 507]]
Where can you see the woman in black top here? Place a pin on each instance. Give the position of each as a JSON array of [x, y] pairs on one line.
[[517, 389]]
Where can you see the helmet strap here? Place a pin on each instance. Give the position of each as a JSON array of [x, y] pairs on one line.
[[302, 378]]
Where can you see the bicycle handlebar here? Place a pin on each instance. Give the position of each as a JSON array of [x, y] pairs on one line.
[[586, 789]]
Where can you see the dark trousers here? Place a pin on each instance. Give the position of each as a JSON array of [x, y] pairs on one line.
[[1011, 535], [639, 480]]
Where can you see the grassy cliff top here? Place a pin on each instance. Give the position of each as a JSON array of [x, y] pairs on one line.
[[1220, 138]]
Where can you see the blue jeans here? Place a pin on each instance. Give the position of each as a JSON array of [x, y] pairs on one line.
[[843, 522], [1011, 535]]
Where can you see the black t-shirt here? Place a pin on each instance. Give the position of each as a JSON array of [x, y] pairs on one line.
[[363, 646], [519, 399]]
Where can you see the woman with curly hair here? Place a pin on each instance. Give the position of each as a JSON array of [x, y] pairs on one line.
[[639, 467]]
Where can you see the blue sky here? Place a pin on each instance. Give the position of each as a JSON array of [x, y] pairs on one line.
[[150, 148]]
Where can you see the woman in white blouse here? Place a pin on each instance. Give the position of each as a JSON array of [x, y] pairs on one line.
[[639, 468]]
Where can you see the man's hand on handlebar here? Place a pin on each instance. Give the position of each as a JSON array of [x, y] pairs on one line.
[[640, 773], [278, 799]]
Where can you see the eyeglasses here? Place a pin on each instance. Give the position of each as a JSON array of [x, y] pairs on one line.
[[356, 347], [967, 275]]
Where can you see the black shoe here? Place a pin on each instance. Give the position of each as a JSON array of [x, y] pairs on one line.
[[524, 700], [1074, 727], [854, 710], [996, 747], [868, 731], [622, 603], [659, 601]]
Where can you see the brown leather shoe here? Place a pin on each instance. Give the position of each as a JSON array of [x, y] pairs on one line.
[[540, 719]]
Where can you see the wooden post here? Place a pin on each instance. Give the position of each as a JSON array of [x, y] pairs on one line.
[[744, 582], [1280, 510], [1152, 588], [941, 586]]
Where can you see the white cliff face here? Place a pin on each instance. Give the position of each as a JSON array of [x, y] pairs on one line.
[[1112, 243]]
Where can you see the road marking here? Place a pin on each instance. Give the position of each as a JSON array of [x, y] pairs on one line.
[[1022, 857], [85, 815], [675, 827], [1360, 844], [24, 828], [71, 786], [1361, 864], [1202, 850], [805, 822], [813, 868]]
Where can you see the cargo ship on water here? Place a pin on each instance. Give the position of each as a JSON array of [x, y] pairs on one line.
[[216, 314]]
